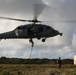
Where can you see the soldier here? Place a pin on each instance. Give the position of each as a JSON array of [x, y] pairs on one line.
[[59, 62]]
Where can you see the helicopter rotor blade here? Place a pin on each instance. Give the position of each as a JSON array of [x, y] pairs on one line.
[[13, 19], [66, 21], [22, 20], [38, 9]]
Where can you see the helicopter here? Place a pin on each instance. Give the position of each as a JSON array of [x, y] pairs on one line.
[[30, 31]]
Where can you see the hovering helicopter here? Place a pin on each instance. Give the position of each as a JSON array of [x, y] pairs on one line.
[[30, 31]]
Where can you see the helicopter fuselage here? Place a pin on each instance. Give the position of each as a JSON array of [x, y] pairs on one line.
[[30, 31]]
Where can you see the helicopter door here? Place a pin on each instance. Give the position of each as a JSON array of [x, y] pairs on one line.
[[21, 32], [42, 31]]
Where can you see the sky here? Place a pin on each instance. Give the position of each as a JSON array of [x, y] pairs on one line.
[[55, 10]]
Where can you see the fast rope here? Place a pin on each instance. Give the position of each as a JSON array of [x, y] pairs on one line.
[[30, 58], [31, 52]]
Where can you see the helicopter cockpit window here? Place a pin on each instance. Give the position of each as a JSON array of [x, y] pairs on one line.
[[21, 27]]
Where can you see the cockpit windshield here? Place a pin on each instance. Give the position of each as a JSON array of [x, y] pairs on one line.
[[49, 28], [20, 27]]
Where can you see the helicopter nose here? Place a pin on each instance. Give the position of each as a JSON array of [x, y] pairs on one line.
[[60, 34], [57, 32]]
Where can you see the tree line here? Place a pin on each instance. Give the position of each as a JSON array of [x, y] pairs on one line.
[[5, 60]]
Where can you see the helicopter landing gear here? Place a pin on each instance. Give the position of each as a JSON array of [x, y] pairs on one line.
[[31, 41], [38, 38], [44, 39]]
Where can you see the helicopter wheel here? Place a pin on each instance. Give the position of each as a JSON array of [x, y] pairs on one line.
[[43, 40]]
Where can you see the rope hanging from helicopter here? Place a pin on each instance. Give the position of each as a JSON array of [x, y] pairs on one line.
[[31, 52]]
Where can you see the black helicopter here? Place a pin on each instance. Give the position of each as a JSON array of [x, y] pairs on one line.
[[30, 31]]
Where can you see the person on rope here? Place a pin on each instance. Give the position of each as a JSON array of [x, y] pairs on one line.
[[31, 41]]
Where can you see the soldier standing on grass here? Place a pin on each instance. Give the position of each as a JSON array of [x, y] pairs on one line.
[[59, 63]]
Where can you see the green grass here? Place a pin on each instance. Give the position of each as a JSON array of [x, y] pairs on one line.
[[42, 69]]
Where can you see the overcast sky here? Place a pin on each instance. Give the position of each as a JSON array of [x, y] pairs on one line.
[[57, 10]]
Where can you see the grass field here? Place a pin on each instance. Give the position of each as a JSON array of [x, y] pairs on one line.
[[35, 69]]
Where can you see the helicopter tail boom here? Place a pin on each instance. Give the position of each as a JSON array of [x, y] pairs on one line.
[[7, 35]]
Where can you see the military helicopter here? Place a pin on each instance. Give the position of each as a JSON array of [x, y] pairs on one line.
[[30, 31]]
